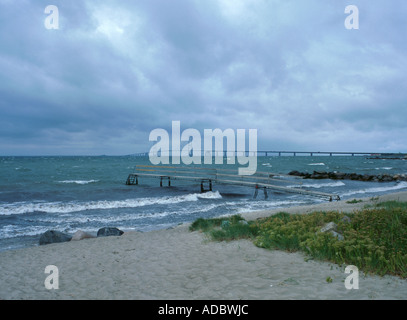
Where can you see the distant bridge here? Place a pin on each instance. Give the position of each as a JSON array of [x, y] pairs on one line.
[[292, 153]]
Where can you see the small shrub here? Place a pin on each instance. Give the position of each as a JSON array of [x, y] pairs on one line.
[[354, 201], [225, 229]]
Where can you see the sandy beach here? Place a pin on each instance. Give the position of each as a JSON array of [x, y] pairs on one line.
[[179, 264]]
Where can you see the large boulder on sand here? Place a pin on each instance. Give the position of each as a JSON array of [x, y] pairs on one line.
[[109, 231], [80, 235], [52, 236]]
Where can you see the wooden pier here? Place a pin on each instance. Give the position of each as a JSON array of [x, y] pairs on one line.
[[207, 177]]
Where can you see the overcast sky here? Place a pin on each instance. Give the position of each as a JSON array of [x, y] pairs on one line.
[[116, 70]]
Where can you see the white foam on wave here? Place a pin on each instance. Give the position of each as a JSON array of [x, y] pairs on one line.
[[65, 221], [79, 181], [12, 231], [67, 207], [68, 218], [209, 195], [384, 168], [400, 185], [319, 185], [323, 185], [316, 164], [252, 206]]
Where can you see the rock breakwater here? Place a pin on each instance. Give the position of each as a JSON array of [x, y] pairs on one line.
[[349, 176]]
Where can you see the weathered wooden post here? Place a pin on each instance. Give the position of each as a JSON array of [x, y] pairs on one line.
[[256, 191]]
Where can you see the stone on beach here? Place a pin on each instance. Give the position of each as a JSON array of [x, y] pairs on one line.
[[52, 236], [80, 235], [346, 219], [109, 231], [337, 235], [331, 227]]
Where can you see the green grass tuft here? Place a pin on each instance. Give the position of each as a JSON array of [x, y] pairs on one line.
[[354, 201], [226, 229]]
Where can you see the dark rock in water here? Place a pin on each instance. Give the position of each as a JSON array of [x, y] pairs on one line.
[[387, 178], [354, 176], [349, 176], [108, 231], [339, 175], [52, 236], [319, 175], [295, 173]]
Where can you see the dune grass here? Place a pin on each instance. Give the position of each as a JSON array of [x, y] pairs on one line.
[[226, 229], [375, 238]]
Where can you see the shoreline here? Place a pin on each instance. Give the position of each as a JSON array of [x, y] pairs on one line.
[[176, 264], [341, 205]]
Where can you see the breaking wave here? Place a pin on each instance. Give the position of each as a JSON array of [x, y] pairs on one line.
[[73, 206], [319, 185], [401, 185], [79, 181], [324, 185]]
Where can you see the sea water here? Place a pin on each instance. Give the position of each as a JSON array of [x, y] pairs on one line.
[[87, 193]]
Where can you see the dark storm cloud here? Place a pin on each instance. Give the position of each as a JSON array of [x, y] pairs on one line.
[[114, 71]]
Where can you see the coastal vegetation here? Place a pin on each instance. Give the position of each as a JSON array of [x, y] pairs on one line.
[[354, 201], [226, 229], [374, 238]]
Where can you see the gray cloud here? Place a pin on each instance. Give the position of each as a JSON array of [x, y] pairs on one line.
[[113, 72]]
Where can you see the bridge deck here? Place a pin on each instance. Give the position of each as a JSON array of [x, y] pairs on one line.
[[259, 180]]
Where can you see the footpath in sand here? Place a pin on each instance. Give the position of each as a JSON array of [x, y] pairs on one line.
[[179, 264]]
